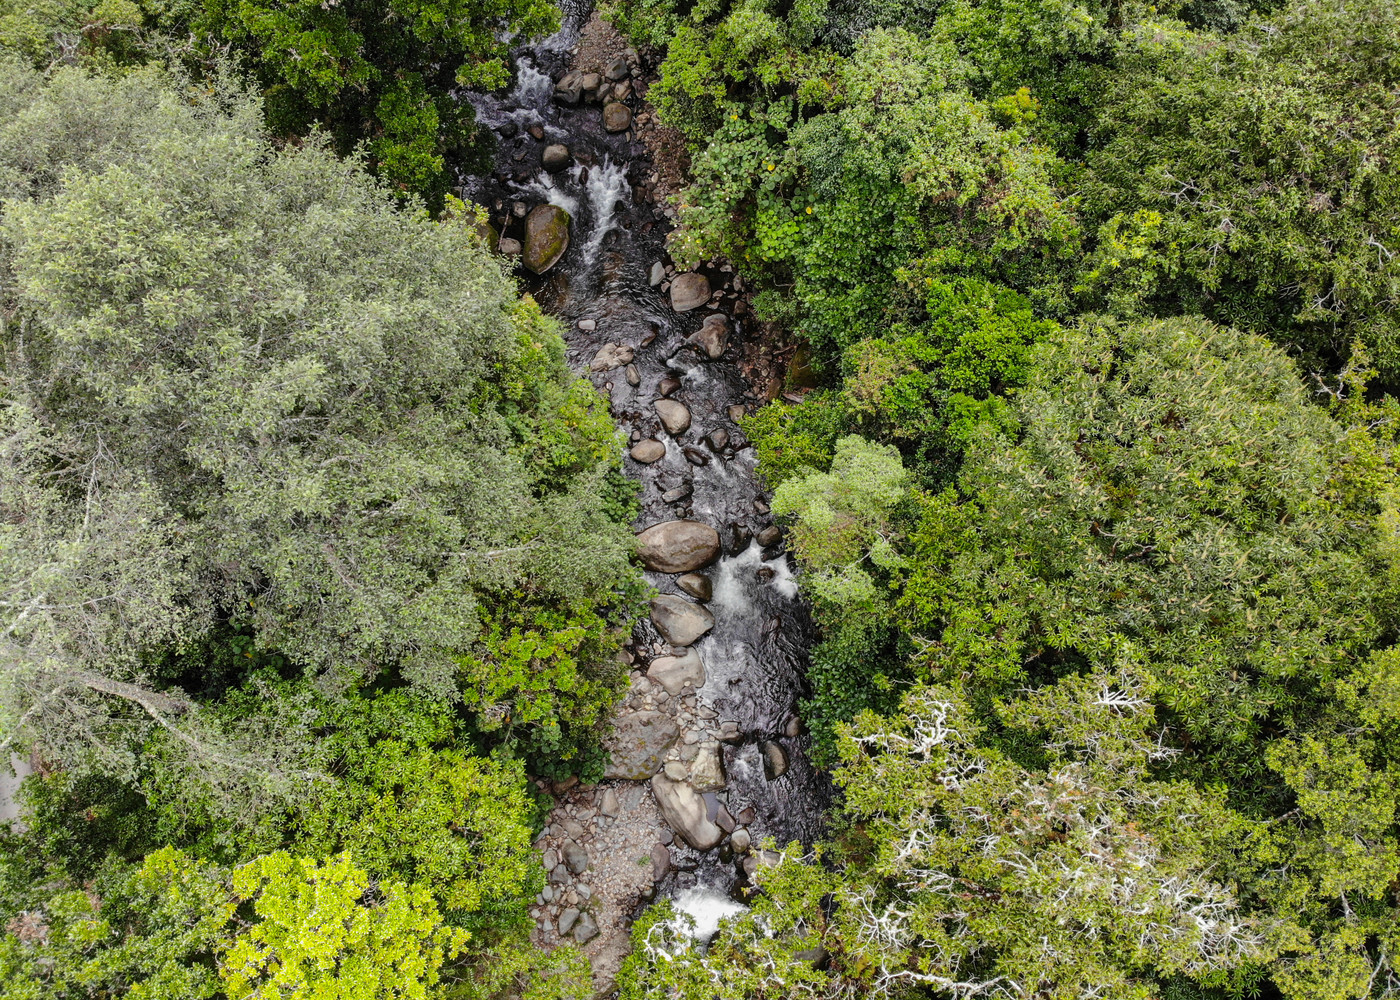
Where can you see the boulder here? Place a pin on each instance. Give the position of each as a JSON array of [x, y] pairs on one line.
[[568, 90], [668, 385], [638, 744], [575, 858], [510, 247], [775, 759], [675, 417], [707, 770], [634, 377], [741, 840], [770, 535], [647, 451], [678, 546], [660, 862], [590, 83], [713, 335], [679, 621], [717, 438], [684, 812], [567, 920], [611, 356], [672, 672], [586, 929], [555, 157], [698, 586], [617, 117], [546, 237], [616, 69], [689, 291]]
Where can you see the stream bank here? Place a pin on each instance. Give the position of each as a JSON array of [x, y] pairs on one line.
[[709, 757]]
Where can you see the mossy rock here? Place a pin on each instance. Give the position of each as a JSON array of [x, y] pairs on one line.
[[546, 237]]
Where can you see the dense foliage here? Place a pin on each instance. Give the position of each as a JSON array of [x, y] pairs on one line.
[[309, 543], [1095, 495], [379, 76]]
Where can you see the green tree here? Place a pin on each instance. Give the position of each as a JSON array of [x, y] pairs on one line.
[[324, 931], [1291, 228], [241, 384]]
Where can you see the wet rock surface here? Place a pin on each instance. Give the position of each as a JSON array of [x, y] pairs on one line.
[[678, 546]]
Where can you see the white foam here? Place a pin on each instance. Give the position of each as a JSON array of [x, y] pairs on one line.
[[705, 908], [531, 85], [607, 186]]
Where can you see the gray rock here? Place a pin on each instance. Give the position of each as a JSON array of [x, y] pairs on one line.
[[616, 69], [698, 586], [611, 356], [678, 494], [673, 672], [678, 547], [546, 237], [713, 335], [707, 770], [559, 874], [617, 117], [674, 416], [657, 275], [741, 841], [555, 157], [638, 744], [770, 535], [675, 770], [717, 439], [609, 806], [647, 451], [588, 325], [509, 247], [568, 90], [684, 812], [586, 929], [793, 727], [589, 83], [634, 377], [622, 90], [689, 291], [775, 759], [680, 622], [660, 862], [736, 410], [575, 858], [567, 919], [723, 820], [668, 385]]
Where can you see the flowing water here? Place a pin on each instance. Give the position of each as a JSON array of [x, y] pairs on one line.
[[755, 656]]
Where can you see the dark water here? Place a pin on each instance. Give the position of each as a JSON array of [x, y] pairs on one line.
[[755, 657]]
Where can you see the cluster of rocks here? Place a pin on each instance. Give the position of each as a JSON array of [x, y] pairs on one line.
[[692, 289]]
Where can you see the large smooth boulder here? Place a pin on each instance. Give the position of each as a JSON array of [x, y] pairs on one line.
[[713, 335], [689, 291], [647, 451], [683, 809], [617, 117], [678, 546], [678, 620], [674, 672], [611, 356], [555, 157], [546, 237], [697, 585], [675, 417], [639, 743], [775, 759]]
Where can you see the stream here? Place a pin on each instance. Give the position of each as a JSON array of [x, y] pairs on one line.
[[608, 289]]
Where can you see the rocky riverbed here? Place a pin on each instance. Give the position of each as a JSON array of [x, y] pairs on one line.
[[708, 755]]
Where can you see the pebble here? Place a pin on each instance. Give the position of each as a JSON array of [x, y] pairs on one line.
[[588, 325], [676, 771], [567, 920]]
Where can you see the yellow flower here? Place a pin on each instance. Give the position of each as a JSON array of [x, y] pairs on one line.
[[771, 166], [809, 209]]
